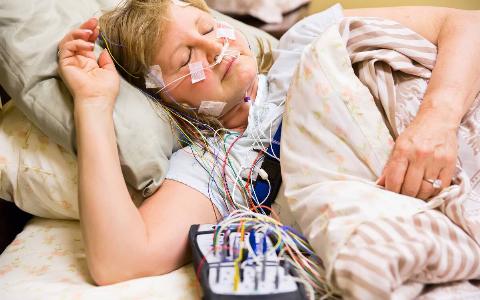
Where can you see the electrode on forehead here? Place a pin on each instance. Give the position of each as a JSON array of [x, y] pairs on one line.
[[154, 78], [196, 72], [225, 30]]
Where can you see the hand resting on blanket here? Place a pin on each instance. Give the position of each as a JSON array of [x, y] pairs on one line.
[[427, 149]]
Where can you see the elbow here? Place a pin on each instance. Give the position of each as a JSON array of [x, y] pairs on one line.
[[102, 275], [101, 280], [107, 272]]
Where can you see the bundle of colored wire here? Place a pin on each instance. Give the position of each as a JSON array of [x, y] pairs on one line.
[[290, 245]]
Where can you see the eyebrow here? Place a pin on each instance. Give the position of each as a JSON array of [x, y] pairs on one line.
[[180, 45]]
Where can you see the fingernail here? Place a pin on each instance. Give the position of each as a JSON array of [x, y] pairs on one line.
[[88, 31]]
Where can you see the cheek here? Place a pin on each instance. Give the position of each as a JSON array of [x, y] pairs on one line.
[[241, 41], [193, 94], [246, 71]]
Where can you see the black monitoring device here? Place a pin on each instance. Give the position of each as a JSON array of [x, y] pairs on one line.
[[230, 272]]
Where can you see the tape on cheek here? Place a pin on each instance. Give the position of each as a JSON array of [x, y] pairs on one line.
[[180, 3], [196, 72], [154, 78], [225, 30], [211, 108]]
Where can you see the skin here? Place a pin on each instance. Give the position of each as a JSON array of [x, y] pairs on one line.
[[193, 40], [126, 242], [428, 148]]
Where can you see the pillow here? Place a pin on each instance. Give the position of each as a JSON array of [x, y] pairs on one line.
[[269, 11], [29, 34]]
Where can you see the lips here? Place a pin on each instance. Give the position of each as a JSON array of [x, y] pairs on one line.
[[228, 67]]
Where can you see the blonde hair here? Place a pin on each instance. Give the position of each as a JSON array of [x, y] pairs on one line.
[[128, 32]]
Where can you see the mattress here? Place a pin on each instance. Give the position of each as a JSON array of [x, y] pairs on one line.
[[47, 261]]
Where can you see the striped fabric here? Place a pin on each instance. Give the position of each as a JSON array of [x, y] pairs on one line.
[[390, 258], [357, 88]]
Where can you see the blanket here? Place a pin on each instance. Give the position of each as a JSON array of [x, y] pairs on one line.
[[356, 89]]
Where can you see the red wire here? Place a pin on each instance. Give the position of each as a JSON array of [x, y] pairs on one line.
[[250, 199], [225, 185]]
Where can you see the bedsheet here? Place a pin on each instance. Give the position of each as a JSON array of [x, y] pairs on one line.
[[338, 131], [47, 261]]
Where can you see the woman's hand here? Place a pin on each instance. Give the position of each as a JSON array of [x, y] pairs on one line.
[[90, 81], [425, 151]]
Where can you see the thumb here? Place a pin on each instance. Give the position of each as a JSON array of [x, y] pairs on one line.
[[105, 61], [381, 180]]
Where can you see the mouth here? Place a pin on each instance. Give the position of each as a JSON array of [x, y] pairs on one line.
[[228, 67]]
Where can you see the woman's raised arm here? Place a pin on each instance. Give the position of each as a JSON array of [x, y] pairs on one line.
[[427, 149], [121, 241]]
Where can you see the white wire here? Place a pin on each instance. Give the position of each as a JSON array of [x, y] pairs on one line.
[[308, 287]]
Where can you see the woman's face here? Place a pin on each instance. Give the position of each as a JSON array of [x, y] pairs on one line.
[[190, 37]]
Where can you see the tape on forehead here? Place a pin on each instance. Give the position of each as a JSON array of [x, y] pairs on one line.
[[180, 3], [154, 78], [225, 30], [196, 71]]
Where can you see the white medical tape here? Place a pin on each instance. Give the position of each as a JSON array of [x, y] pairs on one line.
[[196, 71], [211, 108], [180, 3], [222, 54], [154, 78], [225, 30]]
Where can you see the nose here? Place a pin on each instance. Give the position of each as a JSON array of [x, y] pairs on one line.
[[212, 48]]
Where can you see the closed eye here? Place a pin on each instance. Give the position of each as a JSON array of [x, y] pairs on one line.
[[189, 57], [209, 31], [190, 49]]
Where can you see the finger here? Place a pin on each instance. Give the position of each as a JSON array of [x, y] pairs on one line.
[[94, 35], [105, 61], [446, 175], [91, 24], [432, 172], [413, 179], [74, 47], [81, 34], [89, 54], [88, 27], [395, 173], [426, 190], [381, 180]]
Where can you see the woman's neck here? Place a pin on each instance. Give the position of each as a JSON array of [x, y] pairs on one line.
[[237, 118]]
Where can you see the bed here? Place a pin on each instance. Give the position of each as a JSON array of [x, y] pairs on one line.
[[46, 260]]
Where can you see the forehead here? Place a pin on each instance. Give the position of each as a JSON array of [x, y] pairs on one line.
[[179, 25]]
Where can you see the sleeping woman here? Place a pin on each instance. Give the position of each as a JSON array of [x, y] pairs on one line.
[[228, 103]]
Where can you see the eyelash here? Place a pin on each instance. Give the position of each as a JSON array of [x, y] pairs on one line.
[[190, 49]]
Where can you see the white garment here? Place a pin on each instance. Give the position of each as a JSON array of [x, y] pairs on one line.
[[201, 171]]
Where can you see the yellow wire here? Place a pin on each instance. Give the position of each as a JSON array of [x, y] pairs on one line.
[[111, 55]]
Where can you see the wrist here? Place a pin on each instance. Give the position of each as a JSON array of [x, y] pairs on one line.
[[97, 105], [446, 108]]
